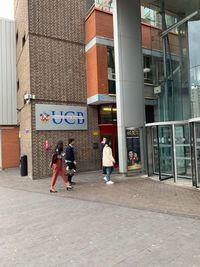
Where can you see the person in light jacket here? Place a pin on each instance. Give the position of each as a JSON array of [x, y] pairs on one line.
[[108, 162], [102, 144]]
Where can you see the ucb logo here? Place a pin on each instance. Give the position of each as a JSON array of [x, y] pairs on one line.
[[69, 117]]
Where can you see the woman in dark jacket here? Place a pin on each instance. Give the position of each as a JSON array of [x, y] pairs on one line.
[[57, 165]]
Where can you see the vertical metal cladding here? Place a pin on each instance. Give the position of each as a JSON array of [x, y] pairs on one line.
[[8, 98]]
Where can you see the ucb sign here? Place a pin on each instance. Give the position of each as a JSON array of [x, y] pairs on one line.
[[59, 117]]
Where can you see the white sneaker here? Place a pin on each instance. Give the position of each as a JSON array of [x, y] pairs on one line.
[[105, 179], [110, 182]]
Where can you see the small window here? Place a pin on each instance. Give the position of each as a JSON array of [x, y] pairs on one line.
[[148, 78], [18, 85], [108, 114], [17, 37], [23, 40], [111, 70]]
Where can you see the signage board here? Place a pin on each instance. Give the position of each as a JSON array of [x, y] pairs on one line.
[[60, 117], [133, 149]]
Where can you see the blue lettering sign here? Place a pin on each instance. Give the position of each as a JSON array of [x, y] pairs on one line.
[[60, 117], [82, 120], [54, 116], [67, 114]]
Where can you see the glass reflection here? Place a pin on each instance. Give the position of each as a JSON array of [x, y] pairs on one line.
[[194, 46]]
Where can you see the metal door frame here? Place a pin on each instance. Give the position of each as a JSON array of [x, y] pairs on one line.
[[195, 174], [172, 125]]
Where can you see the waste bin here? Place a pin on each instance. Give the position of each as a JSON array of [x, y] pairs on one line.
[[24, 165]]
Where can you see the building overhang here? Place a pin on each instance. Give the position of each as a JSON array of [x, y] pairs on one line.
[[100, 99]]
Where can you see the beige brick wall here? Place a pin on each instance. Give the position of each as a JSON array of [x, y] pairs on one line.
[[63, 19], [57, 70], [52, 66], [23, 76], [21, 17]]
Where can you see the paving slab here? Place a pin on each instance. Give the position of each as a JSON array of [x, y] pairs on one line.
[[132, 223], [134, 191]]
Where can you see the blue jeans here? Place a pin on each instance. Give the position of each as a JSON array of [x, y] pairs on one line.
[[109, 170]]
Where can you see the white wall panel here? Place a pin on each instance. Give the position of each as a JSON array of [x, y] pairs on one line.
[[8, 90]]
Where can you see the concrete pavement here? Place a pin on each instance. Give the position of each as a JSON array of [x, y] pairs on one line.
[[128, 224]]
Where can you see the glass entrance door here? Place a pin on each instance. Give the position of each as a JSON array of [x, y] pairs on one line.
[[166, 152], [183, 151], [195, 132], [163, 151], [175, 150]]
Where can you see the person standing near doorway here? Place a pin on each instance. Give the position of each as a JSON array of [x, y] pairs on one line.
[[57, 165], [108, 162], [102, 144], [70, 160]]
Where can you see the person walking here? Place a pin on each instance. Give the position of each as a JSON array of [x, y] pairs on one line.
[[102, 144], [57, 165], [70, 160], [108, 162]]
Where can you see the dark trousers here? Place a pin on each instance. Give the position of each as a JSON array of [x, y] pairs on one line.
[[104, 170], [70, 178], [71, 166]]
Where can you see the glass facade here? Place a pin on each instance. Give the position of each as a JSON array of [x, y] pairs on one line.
[[106, 5], [174, 142], [194, 47], [174, 100], [153, 17], [175, 69]]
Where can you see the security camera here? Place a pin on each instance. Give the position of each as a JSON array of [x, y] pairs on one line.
[[28, 98]]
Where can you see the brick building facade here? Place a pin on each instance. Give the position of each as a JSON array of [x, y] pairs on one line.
[[63, 58], [51, 66]]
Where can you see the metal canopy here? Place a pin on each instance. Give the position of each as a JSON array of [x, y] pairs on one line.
[[175, 6]]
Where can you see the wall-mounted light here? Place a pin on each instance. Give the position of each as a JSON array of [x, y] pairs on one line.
[[109, 109], [146, 70]]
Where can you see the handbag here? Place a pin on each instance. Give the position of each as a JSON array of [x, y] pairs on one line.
[[70, 172]]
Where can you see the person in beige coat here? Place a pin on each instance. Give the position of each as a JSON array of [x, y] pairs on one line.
[[108, 162]]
